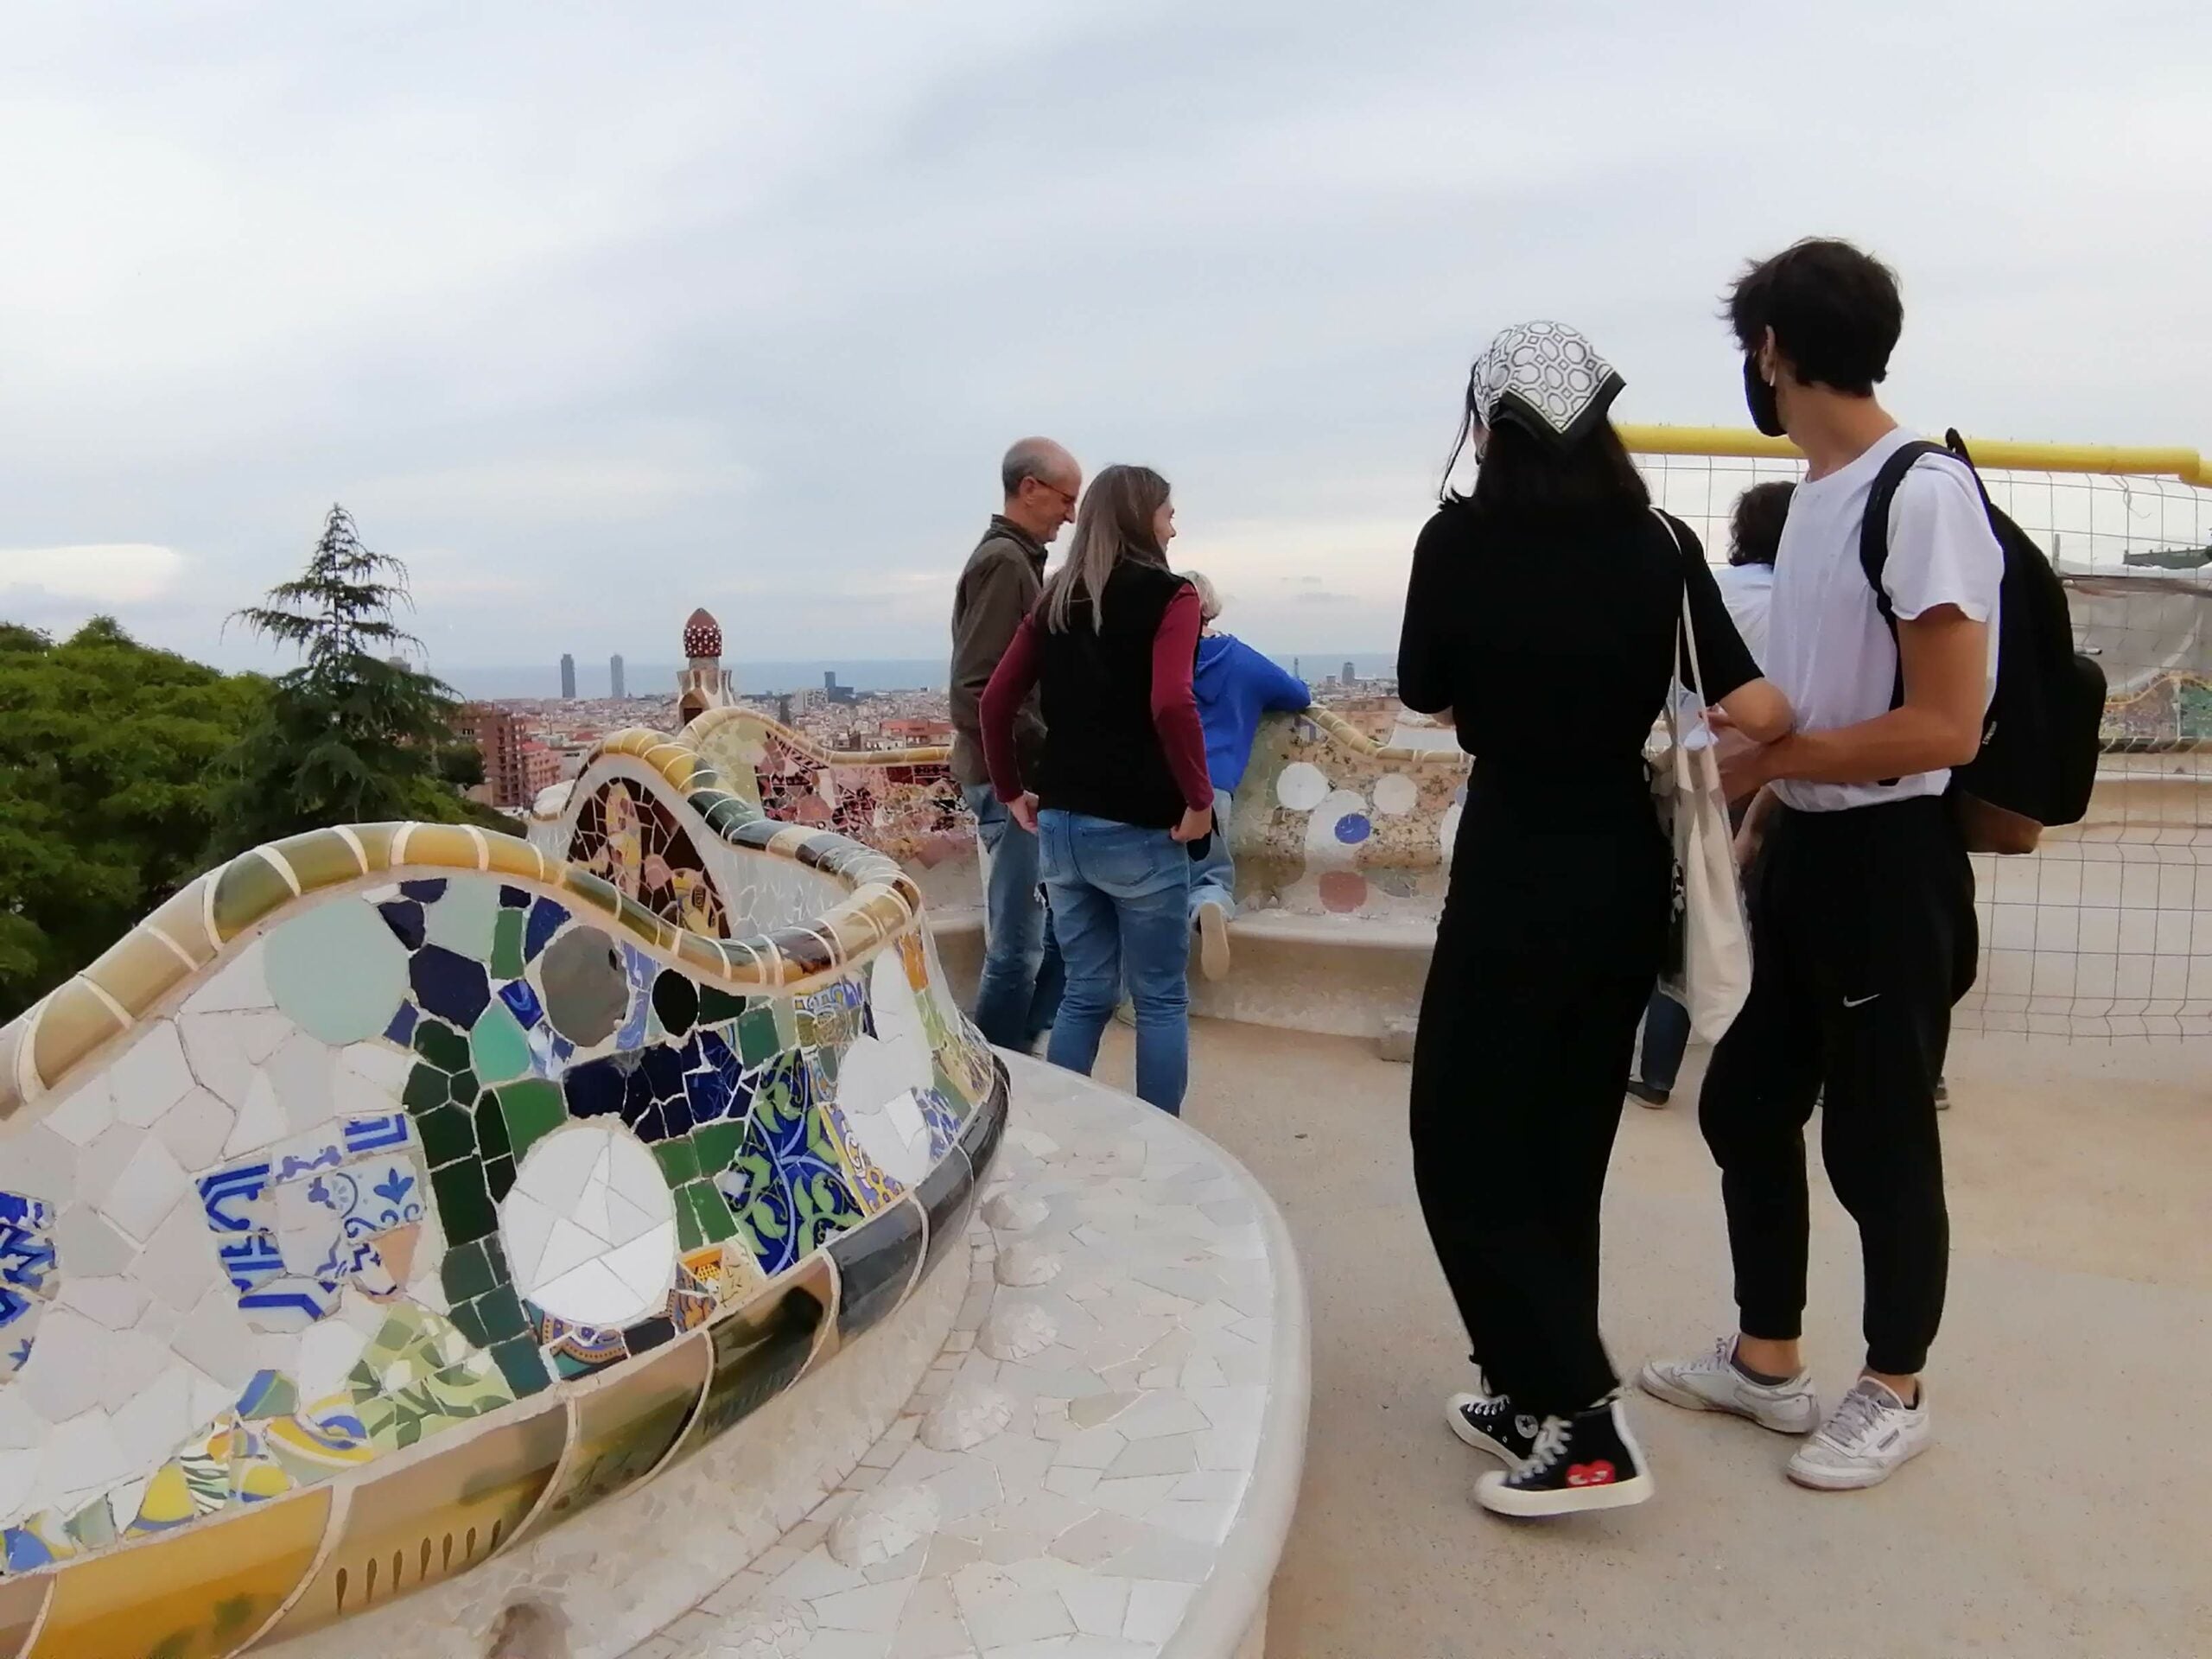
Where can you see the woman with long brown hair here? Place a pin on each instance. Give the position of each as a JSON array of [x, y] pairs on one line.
[[1121, 789]]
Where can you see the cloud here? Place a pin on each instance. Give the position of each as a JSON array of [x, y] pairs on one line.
[[109, 572]]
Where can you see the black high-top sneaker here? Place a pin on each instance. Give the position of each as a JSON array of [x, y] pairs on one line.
[[1588, 1461], [1489, 1423]]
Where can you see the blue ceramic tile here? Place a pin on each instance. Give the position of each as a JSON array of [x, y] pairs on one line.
[[405, 920], [401, 1028], [545, 920], [448, 985], [428, 892]]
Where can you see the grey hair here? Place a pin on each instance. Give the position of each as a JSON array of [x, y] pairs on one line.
[[1208, 600], [1030, 458]]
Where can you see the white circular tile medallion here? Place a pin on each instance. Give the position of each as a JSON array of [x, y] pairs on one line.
[[590, 1228]]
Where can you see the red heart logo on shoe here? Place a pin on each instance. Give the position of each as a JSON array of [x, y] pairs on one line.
[[1599, 1473]]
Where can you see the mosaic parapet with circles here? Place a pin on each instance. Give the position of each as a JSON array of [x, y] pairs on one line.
[[397, 1191]]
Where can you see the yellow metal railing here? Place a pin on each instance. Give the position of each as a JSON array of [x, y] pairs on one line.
[[2004, 454]]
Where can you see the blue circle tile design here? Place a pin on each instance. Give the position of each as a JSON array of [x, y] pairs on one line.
[[1354, 827]]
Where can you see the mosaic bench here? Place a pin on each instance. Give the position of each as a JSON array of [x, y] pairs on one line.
[[397, 1195]]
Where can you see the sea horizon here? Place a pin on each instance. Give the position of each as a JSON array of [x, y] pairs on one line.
[[877, 674]]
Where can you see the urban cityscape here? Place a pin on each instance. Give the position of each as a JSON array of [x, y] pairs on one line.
[[530, 744]]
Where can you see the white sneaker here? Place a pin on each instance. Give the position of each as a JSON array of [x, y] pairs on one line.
[[1213, 941], [1868, 1436], [1711, 1382]]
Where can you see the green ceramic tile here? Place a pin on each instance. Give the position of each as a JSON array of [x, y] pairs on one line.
[[690, 1235], [507, 946], [468, 1319], [718, 1006], [427, 1087], [679, 1161], [533, 1110], [467, 1271], [461, 919], [502, 1313], [499, 1177], [499, 1051], [716, 1145], [465, 1209], [716, 1220], [440, 1045], [756, 1036], [785, 1012], [524, 1365], [492, 1128], [464, 1087], [447, 1137], [248, 889], [337, 970]]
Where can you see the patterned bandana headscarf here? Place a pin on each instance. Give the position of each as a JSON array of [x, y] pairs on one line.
[[1545, 377]]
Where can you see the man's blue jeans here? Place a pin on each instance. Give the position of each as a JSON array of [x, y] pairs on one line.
[[1666, 1035], [1119, 895], [1020, 992], [1213, 878]]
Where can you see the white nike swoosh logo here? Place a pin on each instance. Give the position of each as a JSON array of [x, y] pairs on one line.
[[1858, 1001]]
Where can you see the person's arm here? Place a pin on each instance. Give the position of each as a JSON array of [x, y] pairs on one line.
[[1175, 710], [1003, 698], [1281, 690], [1731, 679], [1425, 652], [1000, 597]]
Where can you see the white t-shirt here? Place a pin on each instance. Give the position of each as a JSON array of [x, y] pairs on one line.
[[1748, 591], [1828, 648]]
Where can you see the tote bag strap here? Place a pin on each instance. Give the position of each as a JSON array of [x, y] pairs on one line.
[[1696, 682]]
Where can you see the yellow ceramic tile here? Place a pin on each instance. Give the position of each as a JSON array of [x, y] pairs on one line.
[[136, 969], [376, 841], [20, 1601], [195, 1594], [763, 1347], [511, 855], [446, 845], [11, 1094], [426, 1521], [247, 889], [184, 919], [72, 1023], [625, 1425], [321, 858]]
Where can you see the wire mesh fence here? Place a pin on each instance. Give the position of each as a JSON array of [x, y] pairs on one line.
[[2105, 930]]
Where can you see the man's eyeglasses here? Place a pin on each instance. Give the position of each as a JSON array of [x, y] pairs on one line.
[[1067, 496]]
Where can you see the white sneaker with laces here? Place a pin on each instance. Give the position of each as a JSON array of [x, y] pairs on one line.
[[1711, 1382], [1213, 941], [1867, 1438]]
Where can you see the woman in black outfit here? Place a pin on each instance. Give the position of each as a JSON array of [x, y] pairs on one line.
[[1541, 619]]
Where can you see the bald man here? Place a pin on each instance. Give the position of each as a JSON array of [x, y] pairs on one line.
[[1022, 976]]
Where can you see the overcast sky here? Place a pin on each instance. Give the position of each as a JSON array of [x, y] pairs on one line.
[[592, 314]]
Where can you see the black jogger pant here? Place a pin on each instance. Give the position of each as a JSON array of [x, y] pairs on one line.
[[1519, 1072], [1863, 936]]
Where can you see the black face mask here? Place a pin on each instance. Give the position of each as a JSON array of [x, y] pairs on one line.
[[1759, 397]]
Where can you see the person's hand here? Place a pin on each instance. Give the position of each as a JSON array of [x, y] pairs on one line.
[[1744, 770], [1196, 822], [1024, 809]]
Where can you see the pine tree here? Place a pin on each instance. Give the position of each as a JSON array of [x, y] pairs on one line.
[[351, 735]]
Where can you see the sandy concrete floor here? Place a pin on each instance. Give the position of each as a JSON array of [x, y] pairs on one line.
[[2063, 1510]]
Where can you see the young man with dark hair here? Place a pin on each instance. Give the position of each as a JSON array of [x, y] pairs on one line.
[[1863, 923]]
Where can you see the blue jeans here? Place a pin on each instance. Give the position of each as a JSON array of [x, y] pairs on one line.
[[1666, 1035], [1020, 992], [1119, 905], [1213, 878]]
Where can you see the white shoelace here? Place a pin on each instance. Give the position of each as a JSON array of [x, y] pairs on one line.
[[1856, 1415], [1551, 1440]]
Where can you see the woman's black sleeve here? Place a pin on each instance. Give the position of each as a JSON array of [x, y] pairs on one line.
[[1425, 643], [1724, 661]]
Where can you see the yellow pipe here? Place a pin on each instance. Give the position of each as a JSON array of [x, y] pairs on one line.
[[2000, 454]]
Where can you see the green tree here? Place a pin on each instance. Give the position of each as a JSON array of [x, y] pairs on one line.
[[105, 807], [351, 735]]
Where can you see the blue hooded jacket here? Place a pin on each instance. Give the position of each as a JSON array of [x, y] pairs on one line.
[[1234, 686]]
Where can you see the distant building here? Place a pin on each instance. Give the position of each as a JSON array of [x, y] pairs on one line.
[[703, 683], [510, 759], [829, 682], [568, 678], [917, 734], [616, 687], [1349, 675]]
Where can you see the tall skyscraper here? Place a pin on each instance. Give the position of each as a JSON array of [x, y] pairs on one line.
[[1349, 675], [614, 676], [830, 681], [568, 678]]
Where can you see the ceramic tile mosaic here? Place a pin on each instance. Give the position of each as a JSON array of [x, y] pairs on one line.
[[404, 1161]]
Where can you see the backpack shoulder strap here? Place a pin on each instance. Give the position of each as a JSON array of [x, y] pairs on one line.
[[1874, 528]]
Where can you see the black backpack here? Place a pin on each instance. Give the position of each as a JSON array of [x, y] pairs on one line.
[[2039, 740]]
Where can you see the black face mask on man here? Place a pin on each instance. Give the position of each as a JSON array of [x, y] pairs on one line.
[[1759, 398]]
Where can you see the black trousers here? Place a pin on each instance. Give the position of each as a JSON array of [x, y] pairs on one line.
[[1544, 959], [1863, 936]]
